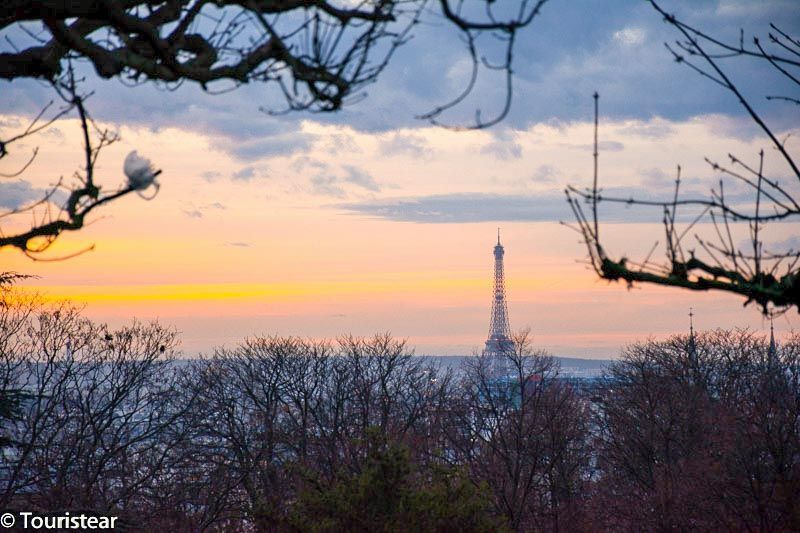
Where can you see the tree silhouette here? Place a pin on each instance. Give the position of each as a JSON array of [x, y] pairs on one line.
[[699, 432]]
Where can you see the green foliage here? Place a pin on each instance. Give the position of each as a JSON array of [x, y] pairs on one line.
[[389, 493]]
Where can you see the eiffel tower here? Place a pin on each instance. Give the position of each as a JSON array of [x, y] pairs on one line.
[[499, 341]]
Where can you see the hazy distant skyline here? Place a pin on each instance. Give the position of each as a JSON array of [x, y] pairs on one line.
[[369, 220]]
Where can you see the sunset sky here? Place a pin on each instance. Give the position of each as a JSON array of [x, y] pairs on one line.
[[370, 220]]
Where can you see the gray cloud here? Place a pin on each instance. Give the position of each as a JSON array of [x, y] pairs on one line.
[[545, 174], [406, 144], [244, 174], [652, 130], [502, 150], [10, 122], [738, 8], [199, 212], [304, 162], [630, 36], [237, 120], [257, 148], [358, 177], [482, 207], [250, 172], [342, 142], [327, 181], [788, 245], [211, 175], [602, 146], [326, 185], [503, 146], [53, 133], [465, 207], [661, 180], [239, 244], [16, 194], [741, 128], [236, 129], [656, 178]]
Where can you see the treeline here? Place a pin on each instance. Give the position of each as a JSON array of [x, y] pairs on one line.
[[287, 434]]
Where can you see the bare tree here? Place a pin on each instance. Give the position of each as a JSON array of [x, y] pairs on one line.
[[716, 260], [360, 385], [33, 359], [762, 459], [275, 411], [699, 433], [656, 424], [391, 387], [100, 416], [523, 433], [240, 443]]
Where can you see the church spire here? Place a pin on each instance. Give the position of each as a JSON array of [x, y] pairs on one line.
[[692, 348], [772, 351]]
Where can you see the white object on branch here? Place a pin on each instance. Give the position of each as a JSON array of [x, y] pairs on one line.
[[140, 172]]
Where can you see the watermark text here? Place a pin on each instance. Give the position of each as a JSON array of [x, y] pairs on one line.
[[29, 520]]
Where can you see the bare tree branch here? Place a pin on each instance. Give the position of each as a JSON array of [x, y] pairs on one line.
[[769, 278]]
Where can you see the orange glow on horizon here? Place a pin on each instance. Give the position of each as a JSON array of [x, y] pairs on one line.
[[416, 286]]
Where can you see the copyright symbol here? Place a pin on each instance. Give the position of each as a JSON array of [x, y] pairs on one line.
[[7, 520]]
